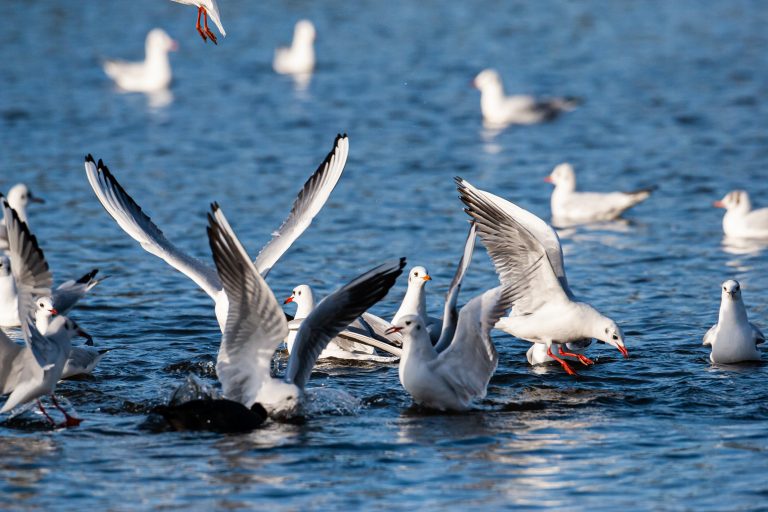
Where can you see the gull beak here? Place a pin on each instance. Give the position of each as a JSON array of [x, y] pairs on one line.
[[34, 199], [85, 335], [549, 179], [289, 299], [623, 351], [392, 329], [53, 311], [718, 204], [174, 45], [427, 277]]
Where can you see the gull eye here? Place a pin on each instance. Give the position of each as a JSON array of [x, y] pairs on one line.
[[615, 337], [41, 305], [408, 322]]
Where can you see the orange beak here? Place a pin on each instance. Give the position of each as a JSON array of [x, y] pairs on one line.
[[549, 179], [53, 311], [718, 204], [623, 351], [393, 329], [289, 299], [427, 277]]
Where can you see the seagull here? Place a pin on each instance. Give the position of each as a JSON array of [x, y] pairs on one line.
[[206, 8], [130, 217], [256, 325], [453, 378], [500, 110], [153, 73], [299, 58], [569, 206], [547, 311], [733, 338], [740, 220], [32, 371], [19, 196]]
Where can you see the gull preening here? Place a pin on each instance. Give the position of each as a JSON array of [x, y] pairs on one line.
[[733, 338], [150, 75], [740, 220], [206, 8], [500, 110], [19, 197], [570, 206], [525, 249], [299, 58], [256, 325], [130, 217]]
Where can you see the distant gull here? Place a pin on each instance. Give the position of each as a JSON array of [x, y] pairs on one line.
[[150, 75], [547, 311], [299, 58], [206, 8], [733, 338], [740, 220]]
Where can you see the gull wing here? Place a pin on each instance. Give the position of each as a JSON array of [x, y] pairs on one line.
[[9, 351], [759, 336], [336, 312], [68, 293], [513, 249], [450, 311], [307, 205], [137, 224], [710, 335], [255, 324], [46, 351]]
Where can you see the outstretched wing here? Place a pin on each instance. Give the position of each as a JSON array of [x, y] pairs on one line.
[[450, 311], [336, 312], [130, 217], [307, 205], [513, 249], [255, 324]]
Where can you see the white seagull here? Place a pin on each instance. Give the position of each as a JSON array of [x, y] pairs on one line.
[[570, 206], [299, 58], [19, 196], [524, 248], [150, 75], [740, 220], [130, 217], [500, 110], [256, 325], [733, 338], [206, 8]]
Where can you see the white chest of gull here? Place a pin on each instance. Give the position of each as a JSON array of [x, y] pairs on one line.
[[19, 197], [500, 110], [733, 338], [570, 206], [546, 310], [150, 75], [206, 8], [256, 325], [299, 58], [740, 220], [139, 226]]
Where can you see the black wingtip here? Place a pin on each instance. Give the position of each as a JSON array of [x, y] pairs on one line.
[[402, 263], [89, 158], [100, 165], [215, 207], [88, 277]]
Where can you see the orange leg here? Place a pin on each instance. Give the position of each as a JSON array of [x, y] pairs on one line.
[[583, 359], [200, 12], [45, 413], [207, 30], [69, 421], [562, 362]]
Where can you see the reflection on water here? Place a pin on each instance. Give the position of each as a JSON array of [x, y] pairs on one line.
[[744, 246], [24, 462], [159, 99]]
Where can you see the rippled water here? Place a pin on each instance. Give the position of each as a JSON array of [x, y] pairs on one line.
[[674, 96]]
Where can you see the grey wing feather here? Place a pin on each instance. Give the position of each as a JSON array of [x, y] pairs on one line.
[[336, 312], [709, 336], [450, 310], [46, 351], [759, 336], [81, 360], [377, 328], [255, 324], [139, 226], [68, 293], [9, 351], [307, 205]]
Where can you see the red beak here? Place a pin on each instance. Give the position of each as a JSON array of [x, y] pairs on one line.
[[289, 299], [718, 204], [549, 179], [623, 351], [53, 311], [392, 329]]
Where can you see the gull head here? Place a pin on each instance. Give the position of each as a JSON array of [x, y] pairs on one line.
[[302, 294], [735, 200], [612, 335], [281, 400], [159, 40], [409, 325], [562, 175], [44, 308], [304, 31], [418, 276], [5, 266], [731, 290], [20, 196], [486, 78]]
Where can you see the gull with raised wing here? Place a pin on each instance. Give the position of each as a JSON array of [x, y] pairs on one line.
[[19, 197], [570, 206], [206, 8], [733, 338], [256, 325], [740, 220], [546, 311], [299, 58], [137, 224], [150, 75]]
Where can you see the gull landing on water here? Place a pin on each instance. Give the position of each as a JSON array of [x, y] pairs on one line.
[[733, 338], [524, 249], [206, 8]]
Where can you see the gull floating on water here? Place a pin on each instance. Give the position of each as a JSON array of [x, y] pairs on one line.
[[524, 248], [19, 196], [740, 220], [206, 8], [733, 338], [500, 110], [570, 206], [256, 325], [150, 75], [137, 224], [299, 58]]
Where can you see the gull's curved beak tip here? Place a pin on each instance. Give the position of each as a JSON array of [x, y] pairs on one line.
[[718, 204], [427, 277], [393, 329], [624, 352], [289, 299]]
